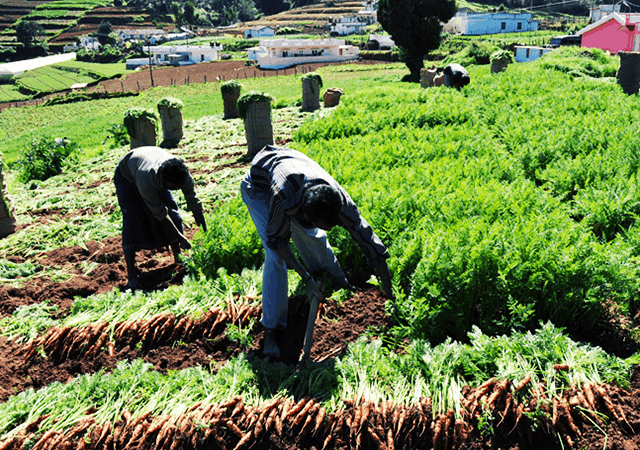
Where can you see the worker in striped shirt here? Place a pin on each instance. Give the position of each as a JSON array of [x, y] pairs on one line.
[[290, 197]]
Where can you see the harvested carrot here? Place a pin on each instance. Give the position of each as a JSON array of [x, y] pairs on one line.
[[364, 416], [566, 414], [500, 389], [588, 393], [157, 424], [322, 412], [400, 420], [327, 441], [526, 380], [438, 432], [390, 440], [561, 367], [296, 408], [376, 439], [604, 396], [271, 418], [234, 428], [485, 387], [43, 440], [304, 430], [245, 439], [303, 412]]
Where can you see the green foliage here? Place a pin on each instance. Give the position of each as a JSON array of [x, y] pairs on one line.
[[578, 61], [501, 207], [11, 270], [28, 32], [132, 115], [231, 241], [477, 52], [46, 158], [252, 97], [171, 103], [230, 87], [27, 322], [119, 135], [502, 55], [314, 76], [107, 53]]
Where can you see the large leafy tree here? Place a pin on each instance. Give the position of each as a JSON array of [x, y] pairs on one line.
[[415, 26], [27, 32]]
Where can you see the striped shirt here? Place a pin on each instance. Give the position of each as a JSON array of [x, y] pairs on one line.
[[284, 174], [140, 167]]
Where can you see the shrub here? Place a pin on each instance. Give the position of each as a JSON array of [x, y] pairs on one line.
[[46, 157], [231, 241]]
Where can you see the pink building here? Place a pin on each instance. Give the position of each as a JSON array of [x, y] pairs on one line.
[[614, 32]]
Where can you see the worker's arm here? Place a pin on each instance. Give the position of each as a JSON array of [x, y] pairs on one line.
[[292, 262], [172, 231], [382, 269]]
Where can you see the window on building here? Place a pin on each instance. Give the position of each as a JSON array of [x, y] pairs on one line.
[[504, 26], [519, 25]]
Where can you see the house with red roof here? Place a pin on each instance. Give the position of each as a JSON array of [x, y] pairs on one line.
[[615, 32]]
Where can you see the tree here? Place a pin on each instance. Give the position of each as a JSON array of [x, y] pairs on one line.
[[27, 32], [415, 26], [104, 31]]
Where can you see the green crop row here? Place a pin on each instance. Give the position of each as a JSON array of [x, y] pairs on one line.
[[367, 371], [511, 202]]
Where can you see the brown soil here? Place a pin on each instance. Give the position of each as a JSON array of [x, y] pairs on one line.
[[207, 72]]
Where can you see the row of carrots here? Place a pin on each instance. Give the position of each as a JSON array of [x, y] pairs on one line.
[[304, 423]]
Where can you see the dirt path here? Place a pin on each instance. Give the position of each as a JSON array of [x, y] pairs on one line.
[[215, 71]]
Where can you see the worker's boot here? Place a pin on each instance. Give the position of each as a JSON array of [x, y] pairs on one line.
[[271, 348]]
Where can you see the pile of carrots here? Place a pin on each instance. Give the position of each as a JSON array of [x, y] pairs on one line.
[[282, 422], [60, 343]]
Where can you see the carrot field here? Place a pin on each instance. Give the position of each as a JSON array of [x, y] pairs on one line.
[[510, 213]]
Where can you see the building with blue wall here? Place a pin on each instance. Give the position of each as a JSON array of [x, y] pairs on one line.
[[495, 23]]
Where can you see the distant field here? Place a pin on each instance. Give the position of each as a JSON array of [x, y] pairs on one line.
[[10, 93]]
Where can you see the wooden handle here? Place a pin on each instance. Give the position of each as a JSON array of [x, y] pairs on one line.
[[314, 301]]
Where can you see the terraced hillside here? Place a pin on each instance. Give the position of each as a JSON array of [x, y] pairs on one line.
[[54, 16], [311, 15], [118, 16]]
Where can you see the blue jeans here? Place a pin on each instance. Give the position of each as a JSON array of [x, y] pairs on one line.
[[311, 243]]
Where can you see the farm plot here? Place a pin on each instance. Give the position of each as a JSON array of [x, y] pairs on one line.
[[180, 365]]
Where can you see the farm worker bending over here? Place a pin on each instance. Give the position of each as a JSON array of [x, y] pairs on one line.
[[144, 179], [289, 196], [456, 76]]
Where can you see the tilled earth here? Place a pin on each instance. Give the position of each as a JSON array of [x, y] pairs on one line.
[[337, 325]]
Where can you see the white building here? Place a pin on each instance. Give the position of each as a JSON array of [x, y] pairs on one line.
[[281, 53], [598, 12], [495, 23], [369, 13], [384, 40], [88, 43], [142, 34], [254, 52], [526, 53], [176, 55], [348, 25]]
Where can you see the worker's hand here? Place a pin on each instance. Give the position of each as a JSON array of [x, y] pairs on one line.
[[199, 217], [313, 289], [184, 243], [343, 283]]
